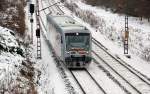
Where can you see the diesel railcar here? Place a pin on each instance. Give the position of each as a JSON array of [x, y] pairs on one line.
[[70, 40]]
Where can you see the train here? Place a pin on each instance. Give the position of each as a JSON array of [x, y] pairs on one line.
[[70, 40]]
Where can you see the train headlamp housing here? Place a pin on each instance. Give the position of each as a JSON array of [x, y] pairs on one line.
[[77, 34]]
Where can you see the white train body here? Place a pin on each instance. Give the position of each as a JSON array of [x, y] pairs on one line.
[[54, 38]]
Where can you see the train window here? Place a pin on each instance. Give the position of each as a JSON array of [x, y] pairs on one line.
[[82, 40], [61, 40]]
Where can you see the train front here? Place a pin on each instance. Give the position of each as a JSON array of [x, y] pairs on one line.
[[78, 50]]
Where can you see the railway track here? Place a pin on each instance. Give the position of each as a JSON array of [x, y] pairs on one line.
[[90, 86], [58, 63], [106, 57], [110, 76], [97, 85], [42, 6], [124, 63], [147, 79], [61, 68], [57, 8], [83, 91], [138, 84]]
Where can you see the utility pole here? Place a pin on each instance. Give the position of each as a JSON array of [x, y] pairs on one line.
[[38, 30], [126, 34], [38, 44]]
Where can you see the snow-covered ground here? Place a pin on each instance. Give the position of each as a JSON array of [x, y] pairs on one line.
[[16, 60], [11, 59]]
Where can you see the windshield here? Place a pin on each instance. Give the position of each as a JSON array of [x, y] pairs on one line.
[[77, 40]]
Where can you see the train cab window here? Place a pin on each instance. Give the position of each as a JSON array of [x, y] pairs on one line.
[[80, 40]]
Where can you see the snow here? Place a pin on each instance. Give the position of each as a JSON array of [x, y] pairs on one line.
[[139, 31], [104, 80], [10, 62], [139, 35], [110, 30], [111, 22], [50, 80], [112, 27], [12, 57], [7, 39], [138, 39], [123, 71], [88, 84]]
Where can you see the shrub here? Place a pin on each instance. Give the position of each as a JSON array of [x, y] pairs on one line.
[[20, 51], [14, 16]]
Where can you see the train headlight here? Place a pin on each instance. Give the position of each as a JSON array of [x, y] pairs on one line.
[[68, 52]]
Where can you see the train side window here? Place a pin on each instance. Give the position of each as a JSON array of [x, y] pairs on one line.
[[61, 40]]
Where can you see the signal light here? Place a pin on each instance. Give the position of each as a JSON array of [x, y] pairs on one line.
[[38, 32], [31, 8]]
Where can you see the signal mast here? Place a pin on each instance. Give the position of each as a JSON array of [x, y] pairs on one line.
[[126, 34]]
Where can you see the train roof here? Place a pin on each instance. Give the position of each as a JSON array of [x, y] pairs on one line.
[[66, 24]]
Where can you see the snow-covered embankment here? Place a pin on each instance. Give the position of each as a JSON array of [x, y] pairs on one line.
[[16, 75]]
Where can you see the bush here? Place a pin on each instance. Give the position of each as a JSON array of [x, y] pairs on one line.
[[20, 51], [146, 54], [138, 8], [14, 16], [85, 15]]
